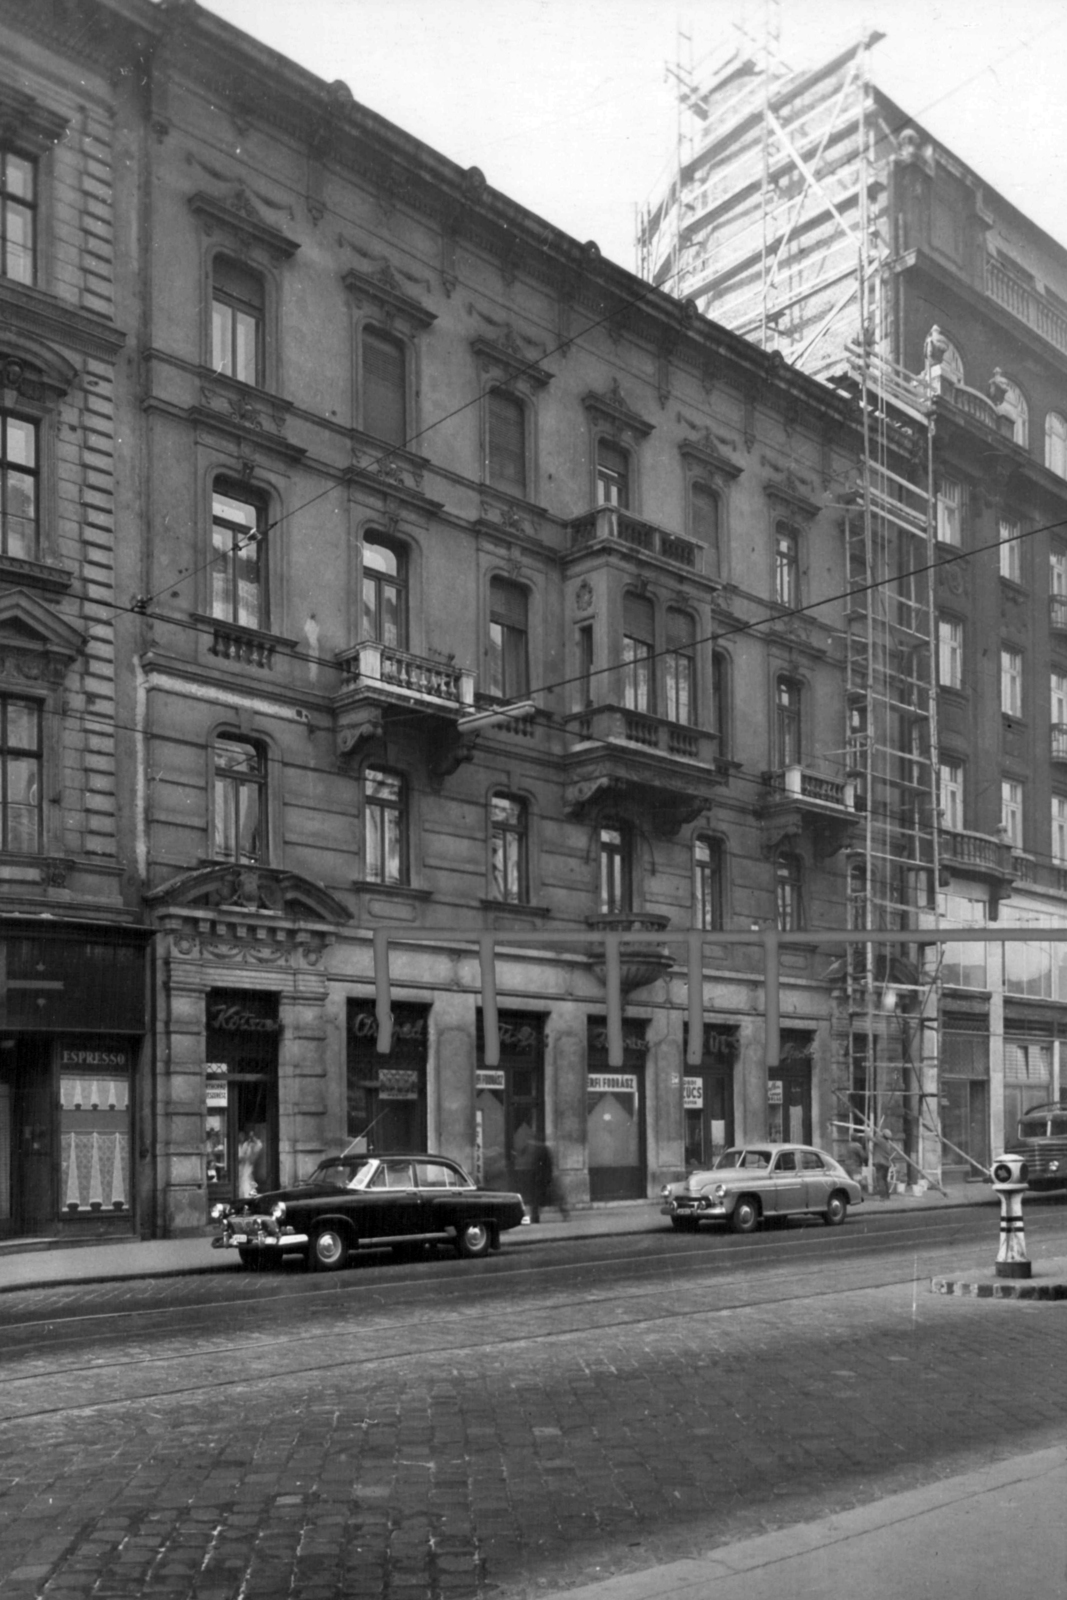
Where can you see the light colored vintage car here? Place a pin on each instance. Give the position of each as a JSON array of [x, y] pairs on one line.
[[751, 1182]]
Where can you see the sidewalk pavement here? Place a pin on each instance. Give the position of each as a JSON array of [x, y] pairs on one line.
[[979, 1536], [45, 1263]]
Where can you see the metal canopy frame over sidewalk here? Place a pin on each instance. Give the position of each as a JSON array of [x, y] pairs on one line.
[[490, 944]]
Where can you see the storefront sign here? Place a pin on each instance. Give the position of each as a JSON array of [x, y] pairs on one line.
[[693, 1094], [218, 1094], [612, 1083], [630, 1041], [232, 1018], [364, 1025], [774, 1091], [93, 1060], [487, 1079], [518, 1036]]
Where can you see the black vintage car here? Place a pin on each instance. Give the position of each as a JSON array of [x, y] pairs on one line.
[[354, 1202], [1042, 1140]]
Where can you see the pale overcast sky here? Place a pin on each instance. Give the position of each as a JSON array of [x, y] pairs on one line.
[[566, 105]]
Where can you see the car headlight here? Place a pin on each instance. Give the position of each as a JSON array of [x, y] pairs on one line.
[[665, 1192], [277, 1210], [719, 1192], [220, 1211]]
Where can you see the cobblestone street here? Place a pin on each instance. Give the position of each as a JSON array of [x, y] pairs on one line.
[[506, 1446]]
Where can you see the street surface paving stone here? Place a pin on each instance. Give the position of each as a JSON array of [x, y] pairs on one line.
[[544, 1438]]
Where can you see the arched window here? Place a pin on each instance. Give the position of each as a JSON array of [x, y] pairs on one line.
[[679, 666], [510, 854], [612, 475], [240, 800], [720, 699], [1056, 444], [704, 525], [239, 556], [238, 304], [615, 870], [385, 829], [385, 592], [1015, 401], [384, 386], [789, 884], [707, 882], [787, 707], [509, 633], [506, 439], [638, 649]]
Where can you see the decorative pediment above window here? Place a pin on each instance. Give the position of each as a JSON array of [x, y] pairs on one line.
[[613, 408], [240, 224], [388, 300], [787, 499], [35, 641], [250, 889], [32, 371], [25, 119], [702, 456], [504, 359]]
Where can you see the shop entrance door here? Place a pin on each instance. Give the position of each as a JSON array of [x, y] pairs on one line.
[[33, 1184], [509, 1105], [789, 1089], [615, 1116], [709, 1099]]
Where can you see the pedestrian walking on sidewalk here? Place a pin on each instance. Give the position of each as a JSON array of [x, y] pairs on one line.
[[881, 1157]]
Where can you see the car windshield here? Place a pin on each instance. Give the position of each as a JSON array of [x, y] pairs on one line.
[[344, 1173], [744, 1158]]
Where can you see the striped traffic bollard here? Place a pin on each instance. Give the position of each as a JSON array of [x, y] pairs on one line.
[[1009, 1181]]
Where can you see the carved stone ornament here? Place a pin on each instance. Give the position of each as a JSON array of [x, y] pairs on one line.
[[613, 407], [250, 890], [36, 643], [383, 291], [583, 597], [236, 218]]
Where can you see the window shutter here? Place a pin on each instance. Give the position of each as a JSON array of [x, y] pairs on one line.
[[384, 388], [637, 617], [237, 282], [681, 630], [507, 442]]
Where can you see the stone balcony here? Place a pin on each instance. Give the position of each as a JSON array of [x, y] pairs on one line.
[[979, 856], [378, 680], [611, 527], [801, 801], [655, 772]]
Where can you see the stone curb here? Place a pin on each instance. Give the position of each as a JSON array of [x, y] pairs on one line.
[[1006, 1289]]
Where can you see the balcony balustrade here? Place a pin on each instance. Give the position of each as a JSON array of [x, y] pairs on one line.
[[246, 646], [377, 678], [801, 800], [1057, 612], [1023, 302], [610, 524], [652, 769], [978, 855]]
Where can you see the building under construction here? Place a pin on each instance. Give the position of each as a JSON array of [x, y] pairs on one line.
[[810, 213]]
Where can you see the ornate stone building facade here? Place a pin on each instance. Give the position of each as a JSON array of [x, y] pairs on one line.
[[467, 585]]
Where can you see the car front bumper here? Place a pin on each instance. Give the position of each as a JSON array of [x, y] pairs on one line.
[[257, 1233], [696, 1209]]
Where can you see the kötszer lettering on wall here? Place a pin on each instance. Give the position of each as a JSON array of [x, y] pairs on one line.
[[228, 1018]]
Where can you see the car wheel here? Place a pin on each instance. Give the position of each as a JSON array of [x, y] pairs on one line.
[[473, 1239], [329, 1250], [746, 1215], [685, 1224], [836, 1211]]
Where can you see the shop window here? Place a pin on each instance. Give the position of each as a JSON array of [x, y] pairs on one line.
[[707, 883], [20, 774], [237, 321], [385, 389], [241, 1082], [1056, 444], [509, 671], [506, 438], [18, 216], [638, 650], [510, 849], [385, 593], [615, 1114], [787, 565], [679, 666], [612, 475], [509, 1110], [239, 564], [240, 800], [704, 525], [789, 886], [788, 699], [615, 871], [385, 808], [386, 1100], [19, 478]]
